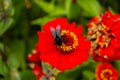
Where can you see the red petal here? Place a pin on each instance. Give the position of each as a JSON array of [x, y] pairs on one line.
[[51, 58], [37, 70], [46, 43], [104, 66], [109, 51]]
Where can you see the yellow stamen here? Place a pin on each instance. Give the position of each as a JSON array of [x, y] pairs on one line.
[[75, 40], [106, 71]]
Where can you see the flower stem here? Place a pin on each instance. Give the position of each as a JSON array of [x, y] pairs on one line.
[[50, 73]]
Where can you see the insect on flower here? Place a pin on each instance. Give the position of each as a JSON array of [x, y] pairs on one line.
[[56, 33], [62, 45]]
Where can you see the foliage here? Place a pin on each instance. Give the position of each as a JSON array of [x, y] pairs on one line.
[[21, 19]]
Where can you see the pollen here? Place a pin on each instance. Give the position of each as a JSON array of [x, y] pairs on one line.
[[106, 74], [69, 41]]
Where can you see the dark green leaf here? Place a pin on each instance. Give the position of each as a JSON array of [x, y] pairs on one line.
[[3, 67], [27, 75], [16, 52], [5, 24], [89, 75]]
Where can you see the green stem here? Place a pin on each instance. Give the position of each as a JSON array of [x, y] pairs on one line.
[[50, 73]]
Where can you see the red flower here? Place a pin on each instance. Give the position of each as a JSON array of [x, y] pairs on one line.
[[35, 63], [104, 34], [62, 44], [106, 71], [37, 70]]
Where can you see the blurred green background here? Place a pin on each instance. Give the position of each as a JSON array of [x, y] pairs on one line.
[[21, 19]]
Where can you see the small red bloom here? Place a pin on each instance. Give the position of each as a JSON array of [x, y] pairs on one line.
[[35, 63], [62, 44], [37, 70], [104, 34], [106, 71]]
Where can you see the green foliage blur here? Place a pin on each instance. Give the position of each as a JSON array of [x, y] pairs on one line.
[[21, 19]]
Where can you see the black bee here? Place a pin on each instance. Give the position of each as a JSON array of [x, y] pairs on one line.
[[56, 33]]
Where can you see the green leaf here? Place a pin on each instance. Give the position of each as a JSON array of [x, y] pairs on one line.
[[18, 8], [117, 65], [3, 68], [51, 8], [57, 11], [15, 74], [90, 7], [46, 6], [41, 21], [5, 25], [89, 75], [10, 9], [27, 75], [16, 51], [1, 46], [13, 61], [72, 10]]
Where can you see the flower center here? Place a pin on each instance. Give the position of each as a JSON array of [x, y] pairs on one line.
[[100, 36], [69, 41], [106, 74]]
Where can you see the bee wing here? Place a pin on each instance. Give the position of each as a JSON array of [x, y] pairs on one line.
[[58, 31], [53, 31]]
